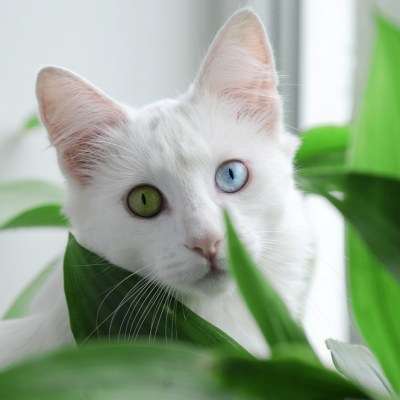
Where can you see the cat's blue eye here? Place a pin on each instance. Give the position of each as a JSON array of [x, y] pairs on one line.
[[231, 176]]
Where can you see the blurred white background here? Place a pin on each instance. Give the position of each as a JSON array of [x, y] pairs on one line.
[[141, 51]]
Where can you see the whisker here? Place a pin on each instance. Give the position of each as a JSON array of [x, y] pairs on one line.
[[176, 324], [146, 303], [131, 309], [98, 325], [149, 306], [141, 286], [157, 303], [124, 300], [160, 307], [109, 293]]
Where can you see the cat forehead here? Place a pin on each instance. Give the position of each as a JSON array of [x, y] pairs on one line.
[[166, 137], [180, 140], [191, 131]]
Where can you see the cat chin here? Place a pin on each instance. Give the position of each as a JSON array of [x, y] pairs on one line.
[[211, 284]]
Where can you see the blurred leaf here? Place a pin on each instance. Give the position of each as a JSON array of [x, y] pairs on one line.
[[358, 364], [323, 147], [45, 216], [115, 371], [376, 134], [269, 311], [31, 203], [107, 301], [32, 122], [21, 305], [294, 352], [370, 203], [142, 371], [286, 379], [375, 297], [376, 149]]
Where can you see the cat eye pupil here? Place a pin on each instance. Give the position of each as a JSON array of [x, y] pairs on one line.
[[231, 176], [145, 201]]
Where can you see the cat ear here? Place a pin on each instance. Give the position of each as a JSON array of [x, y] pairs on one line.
[[240, 68], [76, 115]]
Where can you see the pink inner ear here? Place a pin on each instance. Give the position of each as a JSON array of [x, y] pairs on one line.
[[78, 148], [240, 68], [80, 154], [76, 115], [257, 100], [248, 82], [77, 161]]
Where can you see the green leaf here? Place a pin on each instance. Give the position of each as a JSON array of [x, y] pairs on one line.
[[286, 379], [143, 371], [375, 297], [31, 203], [376, 134], [107, 301], [358, 364], [375, 149], [32, 122], [44, 216], [370, 203], [323, 147], [115, 371], [21, 305], [269, 311]]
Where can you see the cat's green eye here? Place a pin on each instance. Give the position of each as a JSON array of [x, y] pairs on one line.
[[145, 201]]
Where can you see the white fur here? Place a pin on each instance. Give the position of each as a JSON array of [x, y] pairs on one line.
[[177, 146]]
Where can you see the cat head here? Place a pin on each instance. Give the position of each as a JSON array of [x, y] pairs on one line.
[[147, 186]]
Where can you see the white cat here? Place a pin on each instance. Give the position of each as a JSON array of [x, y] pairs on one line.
[[146, 187]]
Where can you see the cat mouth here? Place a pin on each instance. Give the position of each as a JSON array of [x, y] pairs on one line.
[[214, 280], [214, 274]]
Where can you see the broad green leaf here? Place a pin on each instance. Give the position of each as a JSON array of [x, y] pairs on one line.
[[376, 134], [295, 352], [269, 311], [376, 149], [375, 297], [109, 371], [286, 379], [107, 301], [116, 372], [358, 364], [323, 147], [21, 305], [31, 203], [370, 203]]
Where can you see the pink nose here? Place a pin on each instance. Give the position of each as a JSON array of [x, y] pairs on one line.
[[206, 247]]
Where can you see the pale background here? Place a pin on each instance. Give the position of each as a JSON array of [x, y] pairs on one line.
[[141, 51]]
